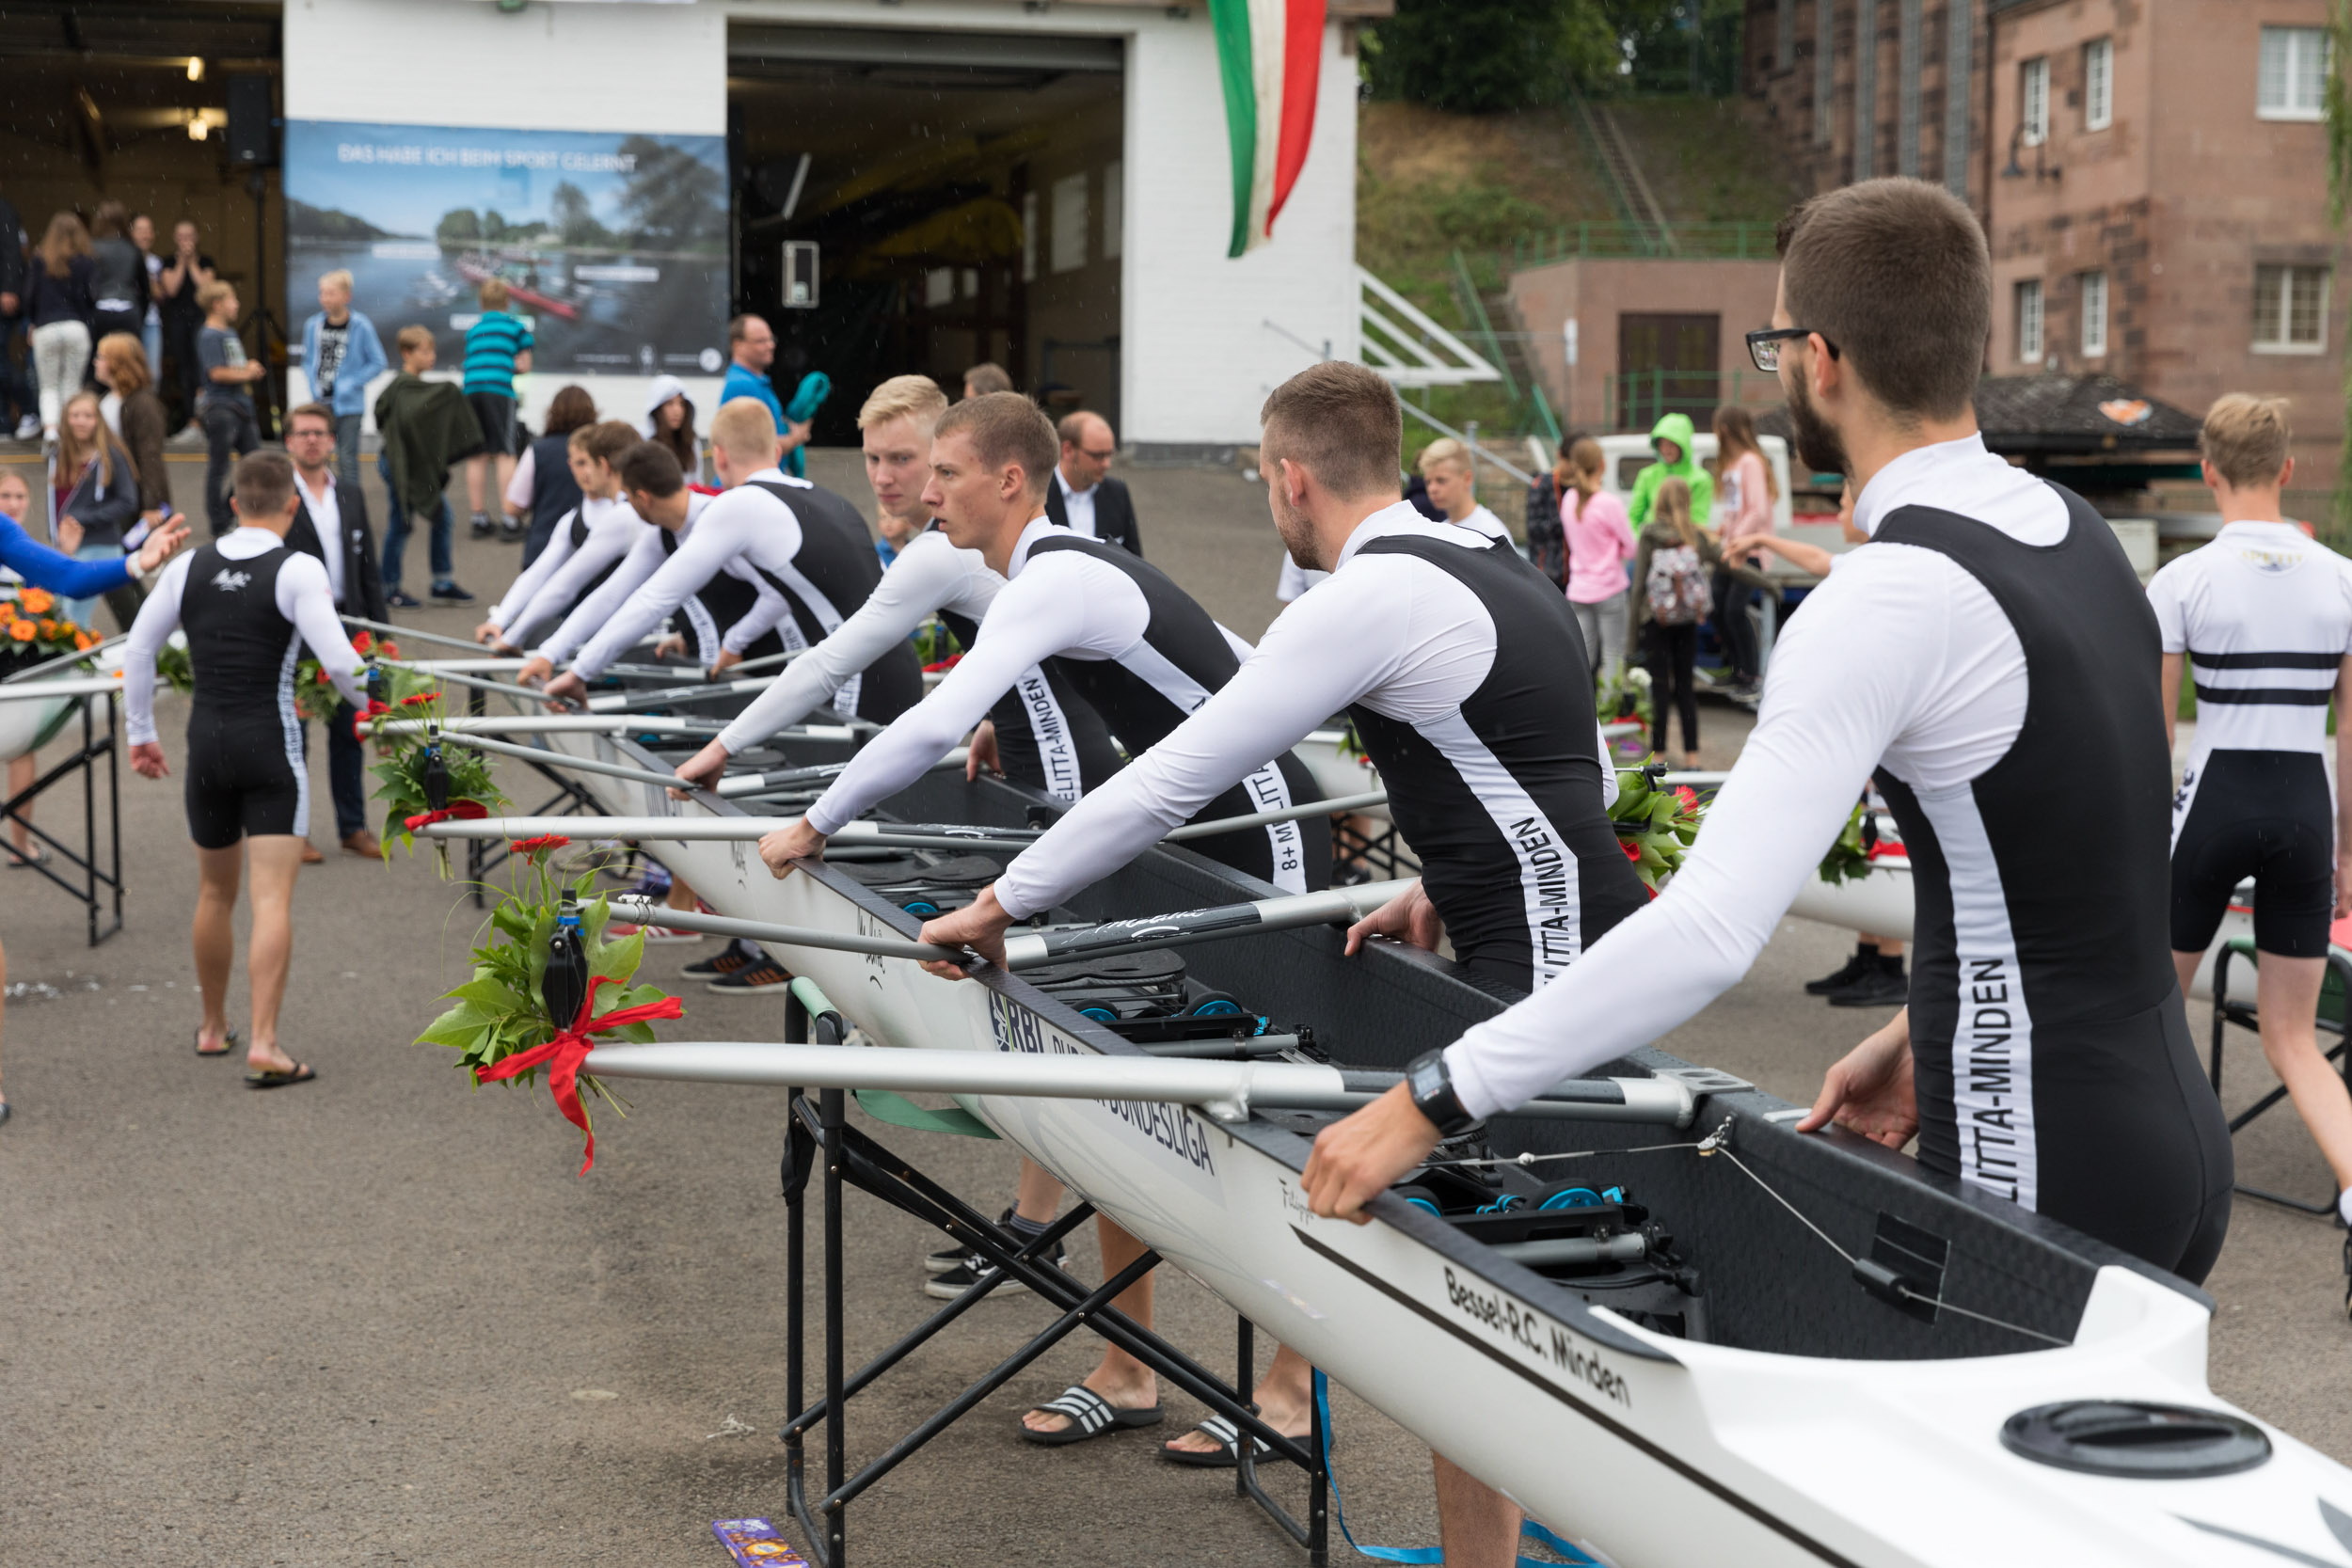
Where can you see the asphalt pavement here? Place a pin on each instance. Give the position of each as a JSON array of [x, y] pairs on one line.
[[380, 1318]]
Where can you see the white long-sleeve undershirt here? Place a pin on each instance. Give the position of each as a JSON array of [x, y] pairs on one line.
[[1902, 656], [302, 596], [1435, 646], [550, 584], [929, 575]]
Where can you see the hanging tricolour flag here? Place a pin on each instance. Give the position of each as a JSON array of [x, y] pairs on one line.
[[1270, 54]]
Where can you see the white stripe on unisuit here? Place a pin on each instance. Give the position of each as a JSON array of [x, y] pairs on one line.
[[290, 721], [1548, 872], [1992, 1037], [1056, 755], [705, 629], [1267, 787]]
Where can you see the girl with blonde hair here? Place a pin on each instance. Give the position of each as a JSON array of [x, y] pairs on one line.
[[1600, 542], [60, 305], [1673, 575]]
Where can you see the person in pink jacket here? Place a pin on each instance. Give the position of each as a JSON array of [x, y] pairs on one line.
[[1600, 542], [1745, 495]]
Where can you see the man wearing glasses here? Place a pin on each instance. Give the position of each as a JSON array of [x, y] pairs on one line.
[[331, 523], [1989, 650], [1084, 498]]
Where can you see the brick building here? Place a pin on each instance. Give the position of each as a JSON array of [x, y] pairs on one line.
[[2152, 174]]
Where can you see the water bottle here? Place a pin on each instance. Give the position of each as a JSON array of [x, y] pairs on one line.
[[564, 986]]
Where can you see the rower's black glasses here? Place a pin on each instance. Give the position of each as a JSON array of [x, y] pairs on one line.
[[1764, 344]]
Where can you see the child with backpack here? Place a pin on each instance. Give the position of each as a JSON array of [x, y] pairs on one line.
[[1674, 563]]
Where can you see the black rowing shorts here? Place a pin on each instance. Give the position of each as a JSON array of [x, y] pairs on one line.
[[2264, 814], [246, 778]]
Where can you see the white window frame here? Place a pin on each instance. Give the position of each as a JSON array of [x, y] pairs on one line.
[[2098, 83], [2033, 98], [2281, 345], [2091, 294], [2032, 345], [2294, 42]]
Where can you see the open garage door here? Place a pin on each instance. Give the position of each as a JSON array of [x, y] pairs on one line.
[[960, 194]]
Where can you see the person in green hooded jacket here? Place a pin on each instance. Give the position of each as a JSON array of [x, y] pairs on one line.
[[1670, 437]]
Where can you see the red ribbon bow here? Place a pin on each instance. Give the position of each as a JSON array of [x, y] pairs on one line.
[[563, 1056], [461, 811]]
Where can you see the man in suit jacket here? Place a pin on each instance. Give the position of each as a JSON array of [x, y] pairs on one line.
[[1082, 499], [331, 523]]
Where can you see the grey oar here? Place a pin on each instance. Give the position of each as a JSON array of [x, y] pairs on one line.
[[390, 630], [1226, 1090], [562, 759], [1037, 949], [468, 680], [817, 773], [554, 724]]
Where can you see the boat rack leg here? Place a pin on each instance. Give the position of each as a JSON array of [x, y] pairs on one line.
[[97, 869], [2243, 1014], [851, 1159]]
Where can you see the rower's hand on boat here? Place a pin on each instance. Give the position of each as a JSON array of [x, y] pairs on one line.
[[1408, 917], [1870, 1092], [979, 926], [534, 671], [786, 846], [671, 646], [147, 760], [486, 633], [162, 540], [728, 658], [982, 752], [566, 689], [702, 770], [1363, 1154]]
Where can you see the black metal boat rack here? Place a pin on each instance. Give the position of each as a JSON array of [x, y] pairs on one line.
[[98, 868], [851, 1159]]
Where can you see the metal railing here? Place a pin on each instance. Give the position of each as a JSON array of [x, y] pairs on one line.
[[1635, 399], [1749, 242]]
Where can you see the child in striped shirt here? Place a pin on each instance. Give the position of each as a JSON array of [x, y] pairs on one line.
[[498, 348]]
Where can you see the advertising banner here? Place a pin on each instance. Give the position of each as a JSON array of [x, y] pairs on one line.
[[612, 246]]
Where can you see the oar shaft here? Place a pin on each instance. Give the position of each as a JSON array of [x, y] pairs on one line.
[[665, 830], [1285, 814], [420, 634], [553, 723], [1035, 949], [501, 686], [823, 772], [1226, 1090], [938, 836], [644, 910], [562, 759]]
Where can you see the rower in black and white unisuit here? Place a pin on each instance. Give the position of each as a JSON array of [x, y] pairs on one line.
[[2260, 620], [1475, 700], [1041, 733], [249, 606], [1989, 651], [806, 543], [1145, 655], [581, 550]]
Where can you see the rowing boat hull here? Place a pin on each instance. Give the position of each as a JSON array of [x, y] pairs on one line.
[[1861, 1436]]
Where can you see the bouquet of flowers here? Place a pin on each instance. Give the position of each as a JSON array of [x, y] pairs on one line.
[[34, 631], [935, 646], [422, 780], [1655, 826], [1858, 848], [315, 696], [500, 1025]]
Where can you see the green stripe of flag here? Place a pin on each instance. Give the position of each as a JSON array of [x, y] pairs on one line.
[[1236, 68]]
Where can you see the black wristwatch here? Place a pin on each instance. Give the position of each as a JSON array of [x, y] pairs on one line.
[[1432, 1089]]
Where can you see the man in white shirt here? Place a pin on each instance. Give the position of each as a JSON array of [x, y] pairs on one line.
[[1084, 498], [1985, 597], [2260, 620], [331, 523]]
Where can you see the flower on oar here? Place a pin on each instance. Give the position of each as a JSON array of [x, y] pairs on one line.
[[535, 848]]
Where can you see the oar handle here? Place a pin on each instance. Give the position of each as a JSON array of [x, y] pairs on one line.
[[547, 758], [644, 912], [1034, 949]]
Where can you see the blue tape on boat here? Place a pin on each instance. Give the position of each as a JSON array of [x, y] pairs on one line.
[[1529, 1529], [1574, 1197]]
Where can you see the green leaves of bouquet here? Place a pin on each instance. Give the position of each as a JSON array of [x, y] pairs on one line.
[[1655, 826], [501, 1009], [1848, 859]]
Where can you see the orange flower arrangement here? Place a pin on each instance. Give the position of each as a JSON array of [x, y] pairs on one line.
[[20, 630], [37, 601]]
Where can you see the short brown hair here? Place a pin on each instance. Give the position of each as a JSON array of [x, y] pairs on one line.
[[608, 442], [1071, 427], [652, 468], [412, 338], [2246, 438], [1339, 422], [740, 326], [986, 378], [125, 358], [569, 409], [1895, 273], [264, 484], [310, 411], [1006, 430], [493, 293]]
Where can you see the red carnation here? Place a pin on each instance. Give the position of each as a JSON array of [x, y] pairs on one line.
[[361, 643], [1689, 796], [535, 848], [419, 698], [1633, 850], [375, 710]]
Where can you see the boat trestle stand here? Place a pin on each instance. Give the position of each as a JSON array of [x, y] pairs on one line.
[[484, 856], [851, 1159]]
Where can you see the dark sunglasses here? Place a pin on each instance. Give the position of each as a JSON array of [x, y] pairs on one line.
[[1764, 345]]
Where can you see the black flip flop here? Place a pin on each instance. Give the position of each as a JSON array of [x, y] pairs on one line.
[[1091, 1416], [1224, 1457], [264, 1078], [228, 1044]]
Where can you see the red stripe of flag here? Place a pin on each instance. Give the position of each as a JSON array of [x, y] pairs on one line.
[[1302, 69]]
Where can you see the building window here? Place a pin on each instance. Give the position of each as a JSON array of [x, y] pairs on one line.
[[2033, 98], [2098, 83], [1961, 22], [2093, 294], [2289, 310], [1114, 209], [1865, 89], [1068, 230], [2295, 64], [2029, 322], [1824, 73], [1908, 26]]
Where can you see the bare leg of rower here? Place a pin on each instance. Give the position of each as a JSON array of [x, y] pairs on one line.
[[1478, 1524], [2286, 998], [277, 860], [1038, 1193], [215, 937], [1120, 1378], [1285, 1398]]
